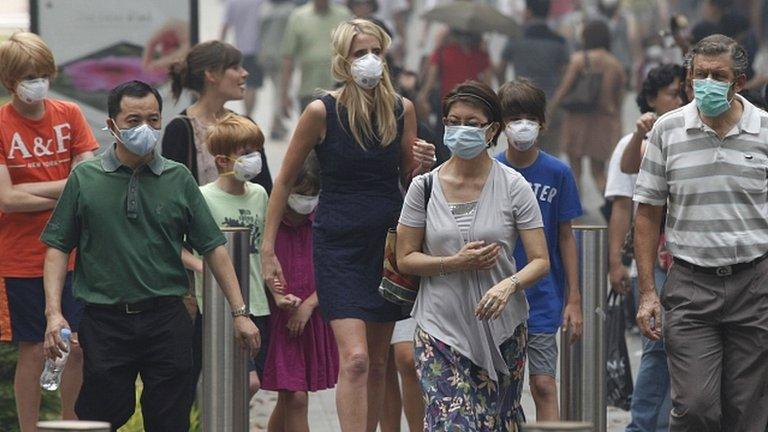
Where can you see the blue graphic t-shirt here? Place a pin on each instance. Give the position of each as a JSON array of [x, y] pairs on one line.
[[555, 190]]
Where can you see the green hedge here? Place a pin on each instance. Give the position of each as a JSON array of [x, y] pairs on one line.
[[49, 407]]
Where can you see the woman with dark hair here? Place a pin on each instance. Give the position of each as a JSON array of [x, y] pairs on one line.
[[593, 132], [213, 71], [458, 229]]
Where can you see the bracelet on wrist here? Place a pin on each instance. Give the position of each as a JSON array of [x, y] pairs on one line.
[[442, 266], [241, 311], [515, 283]]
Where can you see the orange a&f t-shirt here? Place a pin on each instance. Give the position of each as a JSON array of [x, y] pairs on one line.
[[36, 151]]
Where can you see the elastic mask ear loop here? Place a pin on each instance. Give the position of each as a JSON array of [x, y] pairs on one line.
[[117, 136], [229, 158], [485, 132]]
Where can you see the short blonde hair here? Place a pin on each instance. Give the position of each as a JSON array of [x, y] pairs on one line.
[[232, 133], [21, 51]]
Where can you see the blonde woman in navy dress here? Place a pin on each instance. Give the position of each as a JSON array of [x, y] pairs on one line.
[[364, 135]]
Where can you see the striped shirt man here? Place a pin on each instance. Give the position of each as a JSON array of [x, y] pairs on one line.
[[715, 189]]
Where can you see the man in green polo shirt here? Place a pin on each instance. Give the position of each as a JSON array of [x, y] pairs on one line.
[[127, 213]]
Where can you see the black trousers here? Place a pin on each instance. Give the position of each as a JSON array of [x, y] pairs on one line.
[[155, 344]]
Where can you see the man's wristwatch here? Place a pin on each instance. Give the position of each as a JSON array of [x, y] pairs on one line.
[[241, 311]]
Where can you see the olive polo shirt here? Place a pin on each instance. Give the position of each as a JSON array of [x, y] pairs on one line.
[[128, 227]]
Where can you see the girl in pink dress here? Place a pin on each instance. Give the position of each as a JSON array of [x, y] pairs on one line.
[[302, 354]]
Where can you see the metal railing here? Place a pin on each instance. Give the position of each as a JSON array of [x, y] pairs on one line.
[[582, 364], [225, 367]]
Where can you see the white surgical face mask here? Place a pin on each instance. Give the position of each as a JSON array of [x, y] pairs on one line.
[[139, 140], [303, 204], [247, 166], [522, 134], [367, 71], [34, 90]]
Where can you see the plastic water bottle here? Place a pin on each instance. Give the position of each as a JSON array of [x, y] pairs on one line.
[[51, 377]]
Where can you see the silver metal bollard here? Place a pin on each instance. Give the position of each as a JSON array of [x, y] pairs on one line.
[[73, 425], [225, 367], [582, 365]]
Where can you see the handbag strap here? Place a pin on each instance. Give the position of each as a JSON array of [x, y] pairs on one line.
[[191, 149]]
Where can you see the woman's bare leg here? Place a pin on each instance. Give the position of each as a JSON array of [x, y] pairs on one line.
[[351, 390], [390, 417], [413, 401], [379, 336]]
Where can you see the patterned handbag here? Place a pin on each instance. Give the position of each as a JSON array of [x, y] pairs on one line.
[[395, 286]]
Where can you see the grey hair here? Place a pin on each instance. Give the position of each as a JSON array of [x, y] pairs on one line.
[[718, 44]]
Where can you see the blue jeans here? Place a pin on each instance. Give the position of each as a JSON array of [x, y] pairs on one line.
[[651, 402]]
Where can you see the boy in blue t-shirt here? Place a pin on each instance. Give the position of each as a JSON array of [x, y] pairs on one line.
[[523, 107]]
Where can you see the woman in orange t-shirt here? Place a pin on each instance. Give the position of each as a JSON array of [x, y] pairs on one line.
[[40, 141]]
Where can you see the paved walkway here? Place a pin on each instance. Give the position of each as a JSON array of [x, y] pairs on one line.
[[322, 405]]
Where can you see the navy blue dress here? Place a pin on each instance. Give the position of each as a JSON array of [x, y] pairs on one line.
[[360, 199]]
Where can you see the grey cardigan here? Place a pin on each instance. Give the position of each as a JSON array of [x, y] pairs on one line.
[[445, 304]]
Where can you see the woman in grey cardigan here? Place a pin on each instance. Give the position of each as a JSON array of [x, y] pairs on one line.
[[471, 311]]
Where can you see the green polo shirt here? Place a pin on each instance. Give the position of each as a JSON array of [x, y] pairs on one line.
[[128, 227]]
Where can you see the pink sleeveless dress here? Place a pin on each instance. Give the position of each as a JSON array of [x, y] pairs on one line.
[[309, 362]]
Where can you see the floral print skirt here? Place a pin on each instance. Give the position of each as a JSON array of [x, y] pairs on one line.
[[460, 396]]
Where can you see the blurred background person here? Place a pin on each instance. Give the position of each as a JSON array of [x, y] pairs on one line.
[[272, 27], [244, 18], [625, 37], [366, 9], [460, 57], [409, 85], [545, 69], [593, 133], [725, 17], [391, 15], [307, 44]]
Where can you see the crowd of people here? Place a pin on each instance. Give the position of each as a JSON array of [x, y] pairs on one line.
[[112, 243]]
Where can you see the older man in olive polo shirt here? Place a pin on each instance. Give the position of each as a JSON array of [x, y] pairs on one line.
[[127, 213], [707, 162]]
